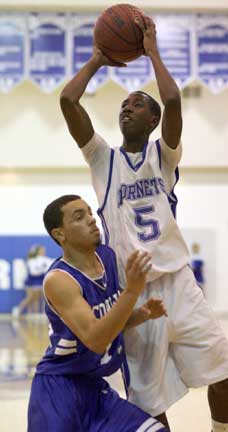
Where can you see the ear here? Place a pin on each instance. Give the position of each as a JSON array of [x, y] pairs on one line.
[[58, 234], [154, 122]]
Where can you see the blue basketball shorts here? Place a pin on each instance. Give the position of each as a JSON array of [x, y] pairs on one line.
[[83, 404]]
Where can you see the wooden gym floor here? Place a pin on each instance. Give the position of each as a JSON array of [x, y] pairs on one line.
[[22, 343]]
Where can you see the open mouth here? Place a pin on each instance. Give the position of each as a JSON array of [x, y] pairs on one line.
[[125, 117]]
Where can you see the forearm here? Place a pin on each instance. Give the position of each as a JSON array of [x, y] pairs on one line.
[[98, 333], [167, 86], [135, 319], [76, 87], [106, 329]]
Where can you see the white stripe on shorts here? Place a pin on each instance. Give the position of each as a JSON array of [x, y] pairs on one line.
[[66, 343], [151, 425], [65, 351]]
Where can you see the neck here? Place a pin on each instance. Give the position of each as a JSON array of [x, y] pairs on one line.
[[84, 260], [134, 145]]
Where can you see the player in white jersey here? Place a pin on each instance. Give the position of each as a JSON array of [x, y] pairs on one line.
[[134, 185]]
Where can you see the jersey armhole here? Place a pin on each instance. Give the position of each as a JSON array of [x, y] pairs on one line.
[[158, 145], [46, 298], [100, 210]]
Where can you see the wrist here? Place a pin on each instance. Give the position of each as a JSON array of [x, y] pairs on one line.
[[96, 60], [152, 51], [134, 293]]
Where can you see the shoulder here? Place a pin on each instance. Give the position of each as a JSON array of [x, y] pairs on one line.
[[170, 156], [58, 281], [151, 147], [58, 272], [56, 263], [97, 141], [167, 149], [96, 152], [57, 276]]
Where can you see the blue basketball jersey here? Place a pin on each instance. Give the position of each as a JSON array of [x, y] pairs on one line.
[[197, 265], [68, 392], [67, 355], [37, 268]]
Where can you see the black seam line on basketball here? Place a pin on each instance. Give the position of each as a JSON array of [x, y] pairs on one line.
[[144, 21], [117, 34], [130, 51], [132, 26]]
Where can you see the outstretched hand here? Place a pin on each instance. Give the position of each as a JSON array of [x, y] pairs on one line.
[[153, 308], [104, 60]]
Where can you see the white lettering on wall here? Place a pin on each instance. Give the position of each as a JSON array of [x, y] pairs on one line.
[[4, 275], [19, 273]]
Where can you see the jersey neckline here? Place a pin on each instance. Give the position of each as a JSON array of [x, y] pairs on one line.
[[97, 279], [128, 160]]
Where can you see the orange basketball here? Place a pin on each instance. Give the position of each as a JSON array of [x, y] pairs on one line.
[[117, 35]]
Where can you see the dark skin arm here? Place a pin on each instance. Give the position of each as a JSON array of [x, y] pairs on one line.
[[78, 120], [169, 92]]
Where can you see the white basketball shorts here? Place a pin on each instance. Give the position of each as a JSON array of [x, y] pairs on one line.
[[168, 355]]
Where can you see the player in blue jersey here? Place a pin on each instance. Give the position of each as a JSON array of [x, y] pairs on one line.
[[197, 265], [87, 313], [37, 263], [134, 184]]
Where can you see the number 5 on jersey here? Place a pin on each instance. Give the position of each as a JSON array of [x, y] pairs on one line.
[[150, 229]]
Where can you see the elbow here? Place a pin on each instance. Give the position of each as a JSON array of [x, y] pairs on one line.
[[173, 105], [96, 338], [174, 98], [99, 349], [64, 96], [93, 343], [65, 101], [96, 347]]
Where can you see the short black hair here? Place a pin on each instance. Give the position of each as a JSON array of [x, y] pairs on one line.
[[153, 104], [53, 215]]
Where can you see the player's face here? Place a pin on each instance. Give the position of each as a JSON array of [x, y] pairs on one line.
[[79, 225], [135, 118], [42, 251]]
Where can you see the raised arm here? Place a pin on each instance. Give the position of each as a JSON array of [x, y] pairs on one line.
[[169, 92], [65, 296], [78, 120]]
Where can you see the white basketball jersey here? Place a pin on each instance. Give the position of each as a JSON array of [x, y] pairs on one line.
[[138, 212]]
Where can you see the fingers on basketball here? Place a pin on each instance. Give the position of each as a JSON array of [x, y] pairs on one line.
[[117, 34]]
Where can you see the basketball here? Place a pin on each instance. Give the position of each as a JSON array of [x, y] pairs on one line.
[[117, 35]]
